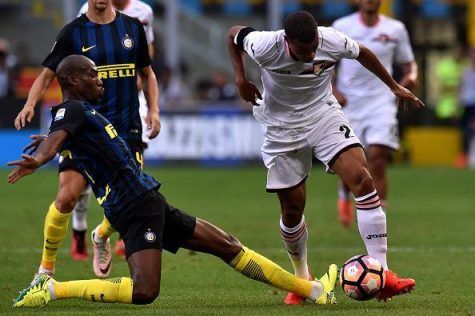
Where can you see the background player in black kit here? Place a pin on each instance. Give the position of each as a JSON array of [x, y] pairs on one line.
[[117, 44], [134, 206]]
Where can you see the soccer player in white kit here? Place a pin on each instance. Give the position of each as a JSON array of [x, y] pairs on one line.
[[367, 102], [303, 119], [144, 13]]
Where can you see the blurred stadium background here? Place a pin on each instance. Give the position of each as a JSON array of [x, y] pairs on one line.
[[203, 119]]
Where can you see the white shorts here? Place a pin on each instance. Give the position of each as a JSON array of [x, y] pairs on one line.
[[375, 123], [378, 130], [143, 111], [288, 153]]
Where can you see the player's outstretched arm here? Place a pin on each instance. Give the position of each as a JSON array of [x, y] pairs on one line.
[[45, 152], [247, 89], [371, 62], [35, 94]]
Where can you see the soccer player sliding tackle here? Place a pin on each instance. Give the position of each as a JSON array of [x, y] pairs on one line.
[[303, 119], [117, 44], [135, 208]]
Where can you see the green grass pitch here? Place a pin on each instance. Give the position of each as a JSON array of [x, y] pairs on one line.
[[431, 238]]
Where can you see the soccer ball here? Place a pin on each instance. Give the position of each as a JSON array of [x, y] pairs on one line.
[[362, 277]]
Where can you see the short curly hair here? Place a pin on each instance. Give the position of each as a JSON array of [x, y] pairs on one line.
[[301, 25]]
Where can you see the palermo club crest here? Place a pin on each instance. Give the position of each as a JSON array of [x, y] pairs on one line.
[[320, 67]]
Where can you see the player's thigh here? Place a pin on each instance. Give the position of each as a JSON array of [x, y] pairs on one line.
[[179, 229], [378, 156], [70, 186], [145, 269], [331, 137], [287, 156], [351, 166], [140, 223]]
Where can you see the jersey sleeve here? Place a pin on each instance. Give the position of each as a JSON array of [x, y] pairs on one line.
[[68, 117], [61, 48], [342, 45], [259, 45], [404, 53], [143, 57]]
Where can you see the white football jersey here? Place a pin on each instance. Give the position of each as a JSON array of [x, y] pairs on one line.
[[296, 93], [366, 94], [139, 10]]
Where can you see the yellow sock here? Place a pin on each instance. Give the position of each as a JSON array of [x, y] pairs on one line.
[[56, 226], [105, 229], [259, 268], [107, 291]]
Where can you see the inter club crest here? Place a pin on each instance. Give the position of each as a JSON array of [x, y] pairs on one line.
[[127, 42]]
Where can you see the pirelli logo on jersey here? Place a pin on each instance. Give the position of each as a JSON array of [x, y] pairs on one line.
[[116, 71]]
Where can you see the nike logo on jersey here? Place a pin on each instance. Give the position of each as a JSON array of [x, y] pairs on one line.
[[85, 49]]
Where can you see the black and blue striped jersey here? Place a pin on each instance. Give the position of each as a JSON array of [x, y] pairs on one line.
[[101, 154], [119, 49]]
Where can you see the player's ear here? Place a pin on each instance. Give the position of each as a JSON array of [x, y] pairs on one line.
[[73, 80]]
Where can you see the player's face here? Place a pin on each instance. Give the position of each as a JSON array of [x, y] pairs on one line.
[[90, 86], [369, 6], [303, 51], [99, 5]]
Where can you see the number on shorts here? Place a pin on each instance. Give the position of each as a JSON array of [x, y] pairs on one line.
[[346, 129]]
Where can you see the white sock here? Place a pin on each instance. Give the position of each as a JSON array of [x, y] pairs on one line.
[[51, 290], [372, 226], [317, 290], [80, 210], [97, 238], [295, 241], [42, 270]]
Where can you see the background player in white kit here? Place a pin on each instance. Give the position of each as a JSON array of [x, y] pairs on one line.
[[367, 102], [303, 119], [144, 13]]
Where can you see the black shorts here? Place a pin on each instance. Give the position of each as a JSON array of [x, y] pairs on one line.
[[149, 222], [136, 147]]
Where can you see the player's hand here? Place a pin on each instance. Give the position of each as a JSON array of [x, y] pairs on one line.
[[23, 168], [25, 115], [405, 98], [31, 147], [153, 124], [249, 92]]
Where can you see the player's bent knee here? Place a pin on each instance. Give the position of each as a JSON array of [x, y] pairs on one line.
[[144, 295], [65, 202], [363, 182]]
